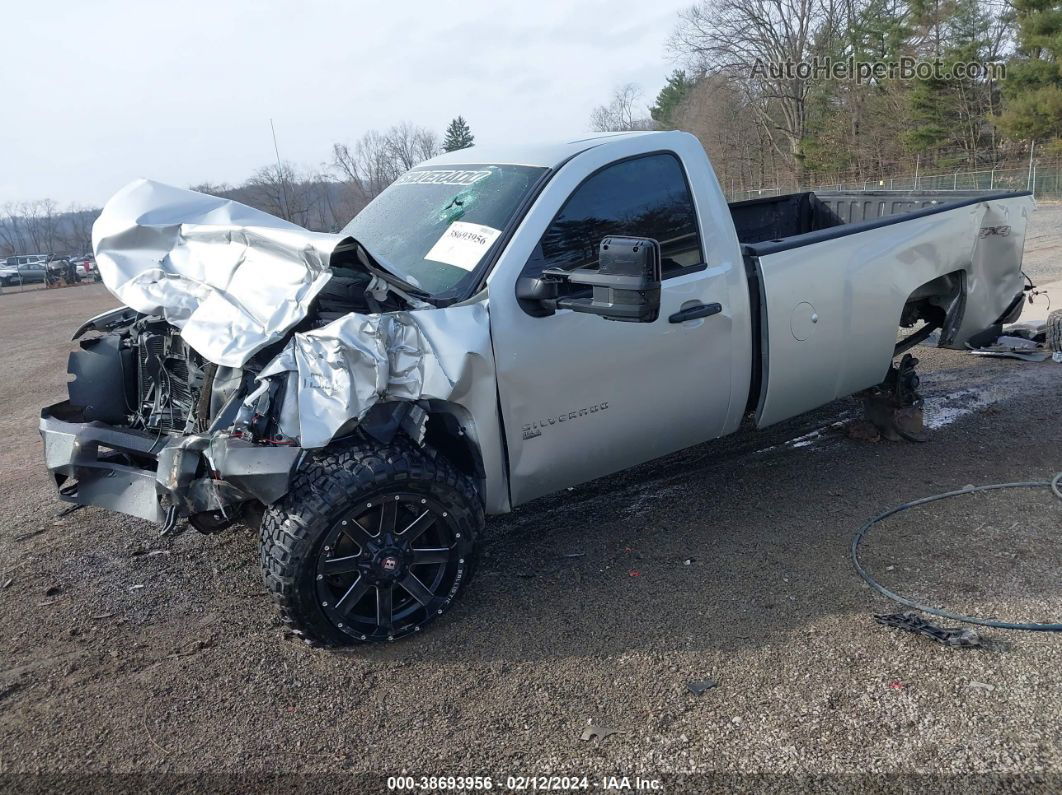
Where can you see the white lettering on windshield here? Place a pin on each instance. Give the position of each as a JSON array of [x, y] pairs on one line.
[[441, 177]]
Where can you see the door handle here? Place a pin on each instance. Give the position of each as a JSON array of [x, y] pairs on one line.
[[694, 312]]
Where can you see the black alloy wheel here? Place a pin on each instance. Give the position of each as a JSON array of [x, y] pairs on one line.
[[389, 566], [372, 542]]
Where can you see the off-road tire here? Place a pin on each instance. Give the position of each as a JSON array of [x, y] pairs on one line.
[[337, 482], [1054, 331]]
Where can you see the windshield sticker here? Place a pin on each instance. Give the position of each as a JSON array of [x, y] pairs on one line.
[[463, 245], [441, 177]]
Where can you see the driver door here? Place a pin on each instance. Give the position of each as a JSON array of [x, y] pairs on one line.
[[582, 396]]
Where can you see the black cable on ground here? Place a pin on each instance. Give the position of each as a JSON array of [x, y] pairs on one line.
[[1055, 484]]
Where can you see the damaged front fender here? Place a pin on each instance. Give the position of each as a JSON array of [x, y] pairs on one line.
[[232, 281], [334, 375]]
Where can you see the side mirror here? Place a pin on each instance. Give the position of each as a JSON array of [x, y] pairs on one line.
[[626, 283]]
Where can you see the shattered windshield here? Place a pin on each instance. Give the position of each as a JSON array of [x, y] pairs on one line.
[[434, 225]]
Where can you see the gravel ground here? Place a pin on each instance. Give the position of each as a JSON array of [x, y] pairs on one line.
[[122, 652]]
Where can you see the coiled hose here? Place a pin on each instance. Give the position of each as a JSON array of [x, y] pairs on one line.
[[1055, 484]]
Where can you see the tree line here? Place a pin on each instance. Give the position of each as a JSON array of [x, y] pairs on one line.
[[762, 126], [36, 227], [767, 126], [322, 199]]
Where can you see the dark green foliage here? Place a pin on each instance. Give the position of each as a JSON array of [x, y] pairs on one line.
[[1034, 78], [671, 97], [458, 135]]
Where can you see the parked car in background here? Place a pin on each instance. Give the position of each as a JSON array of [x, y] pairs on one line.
[[86, 266], [23, 269], [64, 269]]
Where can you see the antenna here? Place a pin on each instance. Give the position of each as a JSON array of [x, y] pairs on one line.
[[280, 173]]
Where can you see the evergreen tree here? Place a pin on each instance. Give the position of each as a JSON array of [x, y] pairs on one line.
[[948, 113], [671, 97], [1034, 77], [458, 135]]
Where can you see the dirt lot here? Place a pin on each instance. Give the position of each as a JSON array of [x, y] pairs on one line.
[[122, 652]]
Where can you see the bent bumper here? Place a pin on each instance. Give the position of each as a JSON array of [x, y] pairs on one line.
[[144, 474]]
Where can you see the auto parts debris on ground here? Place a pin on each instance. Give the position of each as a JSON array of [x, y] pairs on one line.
[[700, 687], [598, 733], [895, 406], [1055, 485], [910, 621]]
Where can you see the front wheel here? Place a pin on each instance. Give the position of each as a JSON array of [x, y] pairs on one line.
[[372, 543]]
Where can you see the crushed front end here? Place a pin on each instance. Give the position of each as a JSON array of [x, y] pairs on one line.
[[153, 430], [244, 343]]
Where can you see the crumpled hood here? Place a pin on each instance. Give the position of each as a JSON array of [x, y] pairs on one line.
[[232, 278]]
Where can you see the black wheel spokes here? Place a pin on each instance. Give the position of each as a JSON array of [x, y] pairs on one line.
[[343, 565], [388, 516], [420, 524], [354, 594], [356, 532], [431, 555], [417, 589], [369, 553], [385, 606]]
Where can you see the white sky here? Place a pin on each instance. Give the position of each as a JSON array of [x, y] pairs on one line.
[[94, 94]]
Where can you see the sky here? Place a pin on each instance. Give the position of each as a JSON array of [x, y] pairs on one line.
[[95, 94]]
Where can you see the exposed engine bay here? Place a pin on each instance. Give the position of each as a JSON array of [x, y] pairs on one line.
[[167, 386], [187, 423], [245, 342]]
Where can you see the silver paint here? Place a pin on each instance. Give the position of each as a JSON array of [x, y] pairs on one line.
[[856, 287], [232, 278]]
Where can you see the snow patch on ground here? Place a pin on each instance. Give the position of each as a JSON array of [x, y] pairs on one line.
[[945, 409]]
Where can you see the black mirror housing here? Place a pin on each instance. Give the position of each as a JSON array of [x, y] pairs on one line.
[[626, 283]]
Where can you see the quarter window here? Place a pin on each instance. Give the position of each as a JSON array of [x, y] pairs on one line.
[[643, 197]]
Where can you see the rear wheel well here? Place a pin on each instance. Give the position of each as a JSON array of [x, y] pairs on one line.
[[938, 304]]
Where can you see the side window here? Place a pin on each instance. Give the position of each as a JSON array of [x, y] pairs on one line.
[[643, 197]]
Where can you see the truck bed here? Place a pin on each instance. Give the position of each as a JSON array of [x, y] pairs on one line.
[[776, 223], [832, 273]]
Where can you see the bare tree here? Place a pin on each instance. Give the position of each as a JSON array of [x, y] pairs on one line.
[[221, 189], [410, 144], [378, 159], [624, 112], [279, 189], [369, 164], [77, 224], [12, 230], [760, 43], [715, 110]]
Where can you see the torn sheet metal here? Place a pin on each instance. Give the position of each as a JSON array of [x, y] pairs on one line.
[[232, 278], [834, 305], [336, 373]]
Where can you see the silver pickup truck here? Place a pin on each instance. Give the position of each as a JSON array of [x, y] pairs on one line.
[[499, 324]]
